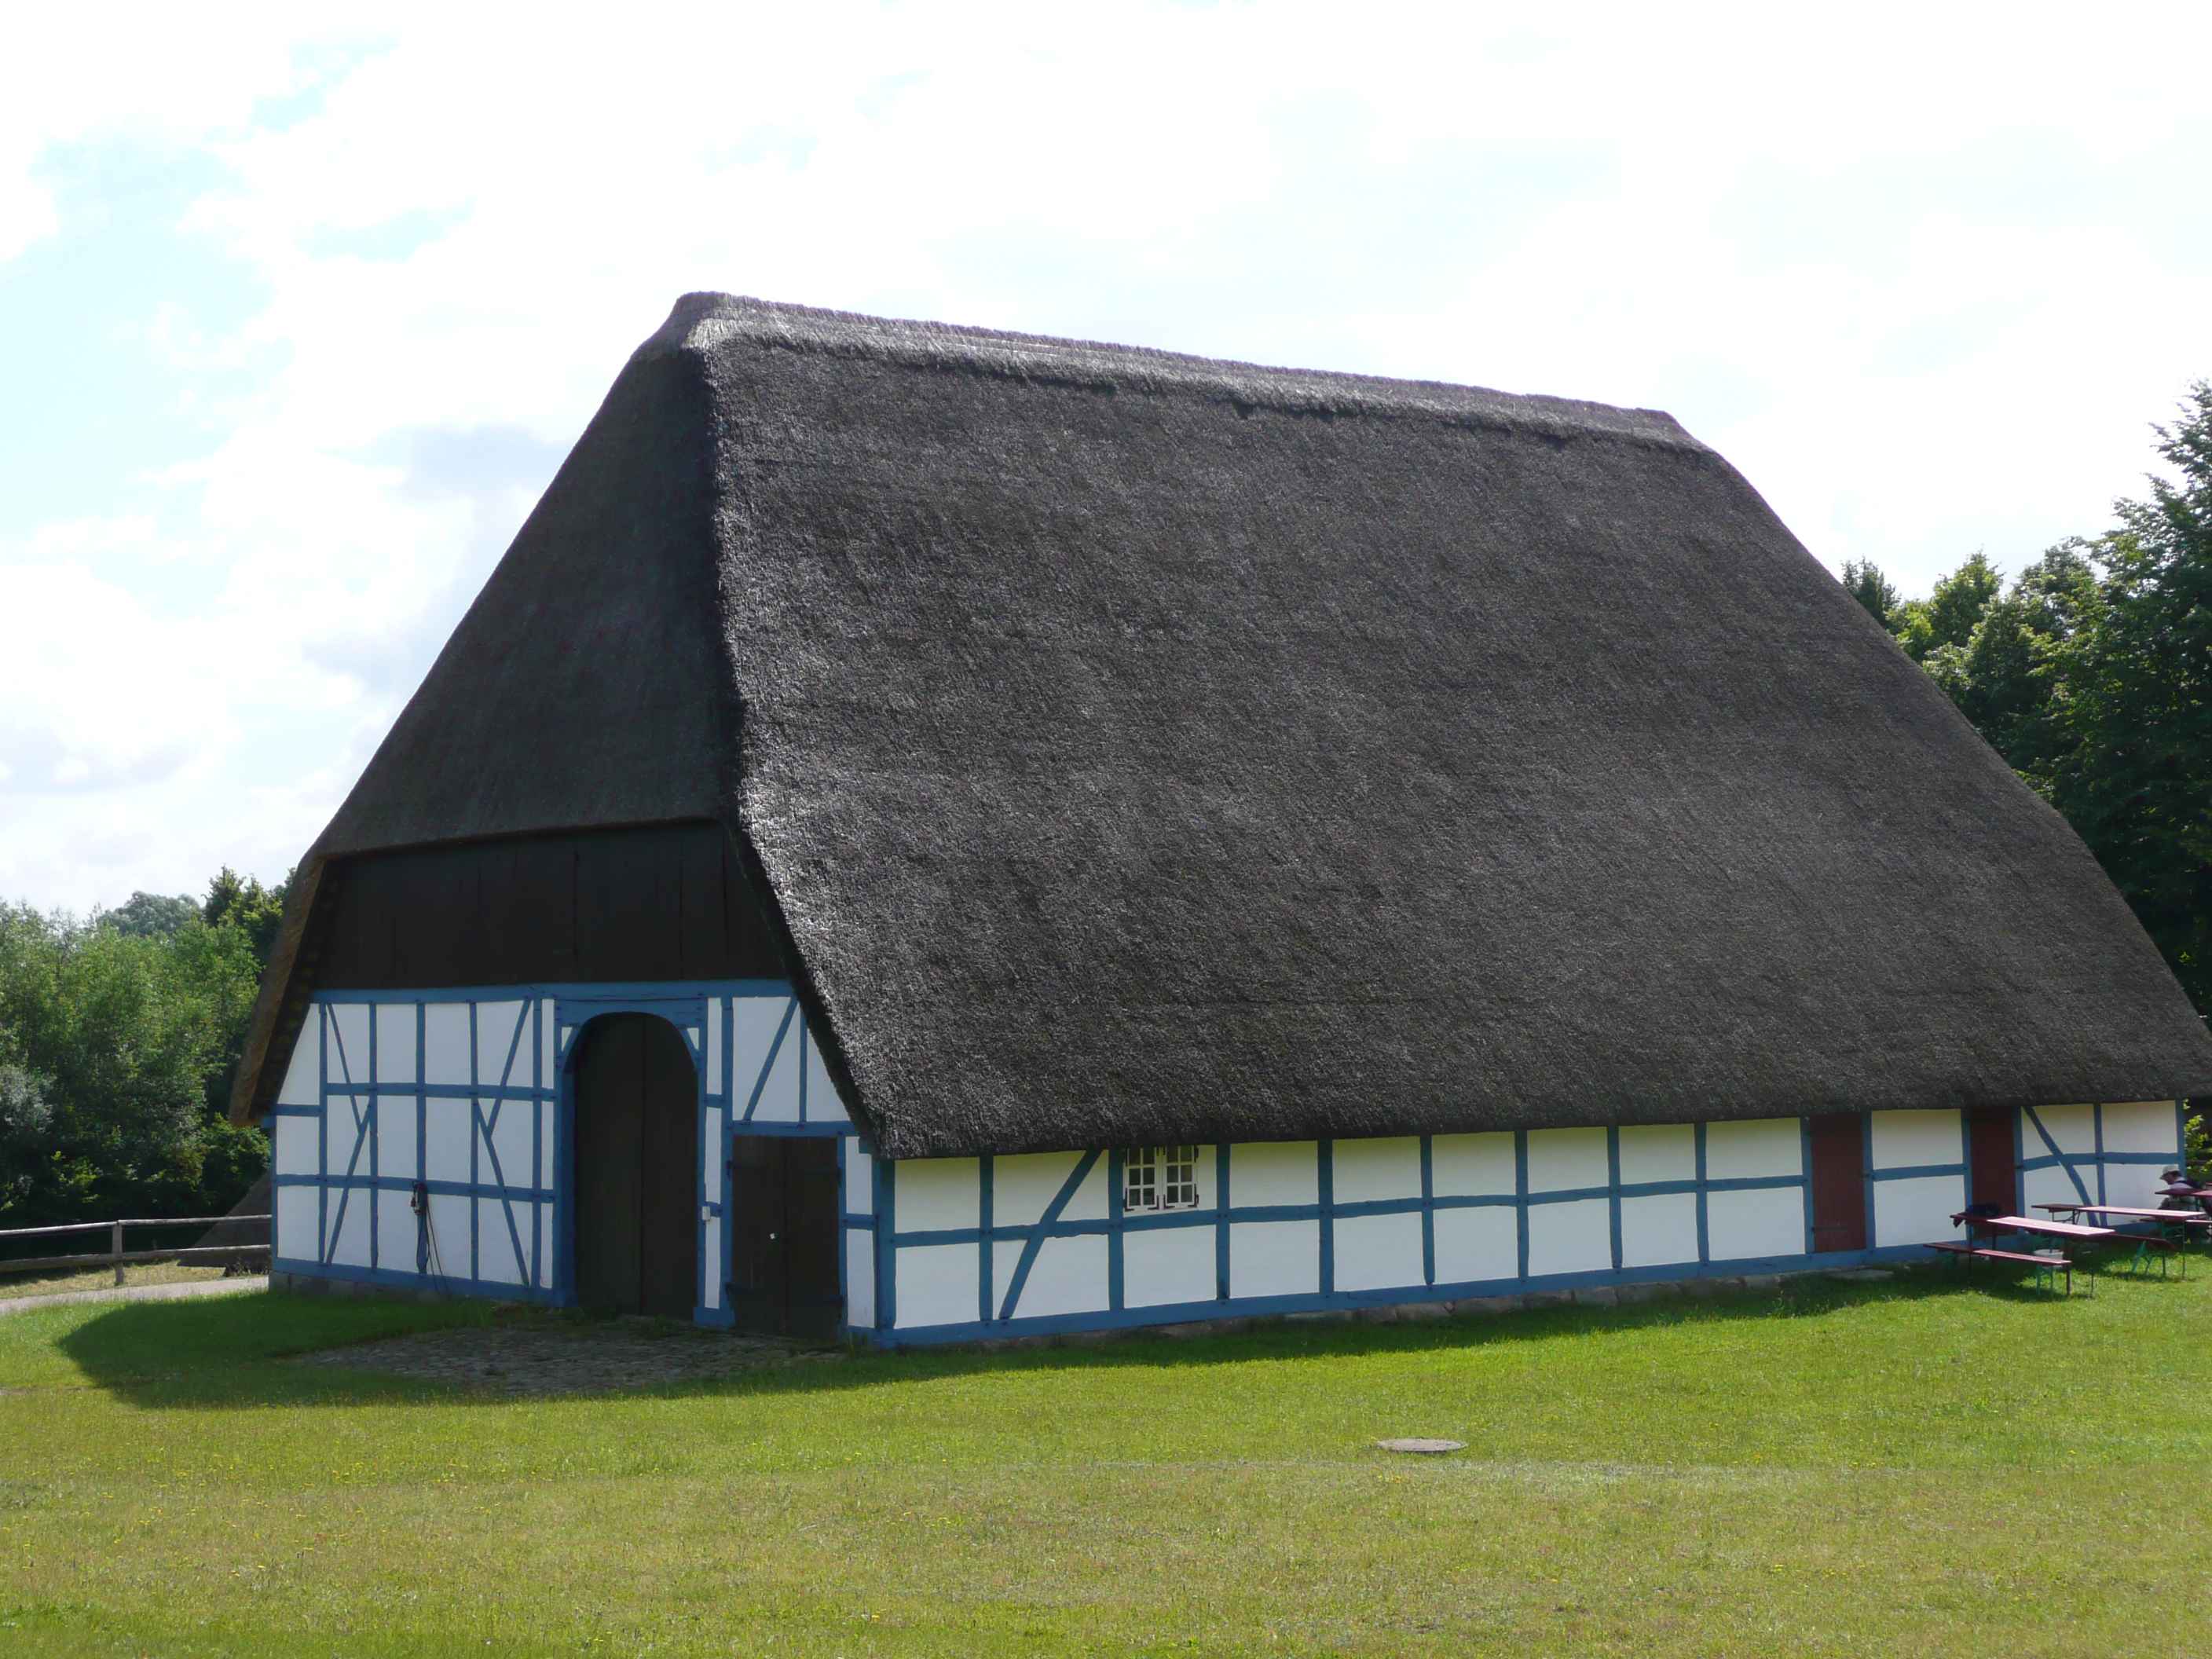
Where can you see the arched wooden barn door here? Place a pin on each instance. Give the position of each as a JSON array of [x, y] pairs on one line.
[[636, 1168]]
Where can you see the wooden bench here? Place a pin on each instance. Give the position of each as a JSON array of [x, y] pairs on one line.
[[2047, 1268]]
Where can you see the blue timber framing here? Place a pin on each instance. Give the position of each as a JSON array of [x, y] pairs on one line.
[[492, 1212], [451, 1241], [1001, 1308]]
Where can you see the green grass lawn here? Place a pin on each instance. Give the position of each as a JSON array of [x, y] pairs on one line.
[[1907, 1467]]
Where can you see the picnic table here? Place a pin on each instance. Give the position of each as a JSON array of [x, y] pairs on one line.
[[2185, 1221], [2136, 1212], [2048, 1264], [2072, 1231]]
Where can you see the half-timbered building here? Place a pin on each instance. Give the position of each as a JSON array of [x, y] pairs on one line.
[[932, 834]]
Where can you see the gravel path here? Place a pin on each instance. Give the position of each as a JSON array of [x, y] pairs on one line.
[[135, 1293], [559, 1357]]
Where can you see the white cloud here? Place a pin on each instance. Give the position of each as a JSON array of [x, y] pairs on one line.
[[1924, 274]]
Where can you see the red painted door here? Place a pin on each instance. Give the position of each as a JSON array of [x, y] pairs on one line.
[[1839, 1221], [1993, 1173]]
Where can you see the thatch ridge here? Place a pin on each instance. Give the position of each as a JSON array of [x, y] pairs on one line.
[[707, 322]]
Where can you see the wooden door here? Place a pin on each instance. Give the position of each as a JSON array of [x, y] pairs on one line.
[[636, 1168], [783, 1235], [1992, 1171], [756, 1229], [815, 1300], [1839, 1219]]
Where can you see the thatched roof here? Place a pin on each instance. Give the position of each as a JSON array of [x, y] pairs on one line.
[[1132, 748]]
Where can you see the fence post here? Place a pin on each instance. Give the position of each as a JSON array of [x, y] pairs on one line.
[[115, 1238]]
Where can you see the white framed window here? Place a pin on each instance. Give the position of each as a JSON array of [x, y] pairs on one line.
[[1160, 1178]]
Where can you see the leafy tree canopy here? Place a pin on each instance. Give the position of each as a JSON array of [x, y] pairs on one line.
[[152, 916], [118, 1038], [1948, 616], [1871, 589], [2093, 678]]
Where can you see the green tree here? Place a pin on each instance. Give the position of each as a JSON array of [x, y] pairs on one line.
[[1946, 617], [152, 915], [2008, 677], [117, 1050], [2134, 704], [1866, 584], [241, 902]]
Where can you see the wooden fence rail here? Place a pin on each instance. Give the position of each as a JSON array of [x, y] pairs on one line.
[[116, 1256]]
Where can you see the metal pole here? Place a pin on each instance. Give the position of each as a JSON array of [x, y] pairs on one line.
[[115, 1238]]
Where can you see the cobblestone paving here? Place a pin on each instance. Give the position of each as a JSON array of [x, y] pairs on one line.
[[559, 1357]]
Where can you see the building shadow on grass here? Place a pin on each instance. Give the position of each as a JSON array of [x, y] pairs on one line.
[[244, 1350]]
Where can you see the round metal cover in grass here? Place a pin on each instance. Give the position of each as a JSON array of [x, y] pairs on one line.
[[1427, 1447]]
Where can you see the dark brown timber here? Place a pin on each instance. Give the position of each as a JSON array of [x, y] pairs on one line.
[[660, 902]]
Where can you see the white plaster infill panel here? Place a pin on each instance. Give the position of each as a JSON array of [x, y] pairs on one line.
[[860, 1279], [1068, 1276], [346, 1042], [303, 1078], [395, 1041], [756, 1021], [447, 1134], [1378, 1252], [1371, 1172], [397, 1152], [1903, 1140], [1561, 1160], [504, 1156], [1755, 1222], [1658, 1229], [2135, 1184], [1472, 1166], [497, 1259], [1479, 1243], [936, 1195], [349, 1225], [1658, 1151], [1573, 1238], [1918, 1210], [1273, 1258], [396, 1229], [823, 1104], [2145, 1126], [503, 1044], [2073, 1127], [2052, 1185], [1023, 1187], [1275, 1172], [936, 1283], [297, 1222], [859, 1180], [452, 1256], [448, 1050], [299, 1149], [1160, 1265], [1759, 1149]]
